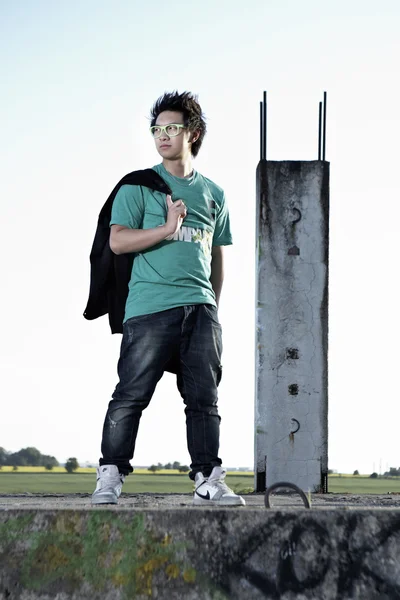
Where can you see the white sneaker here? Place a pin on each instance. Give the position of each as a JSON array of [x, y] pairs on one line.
[[109, 485], [214, 491]]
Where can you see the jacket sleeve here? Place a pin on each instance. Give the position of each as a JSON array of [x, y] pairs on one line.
[[128, 207]]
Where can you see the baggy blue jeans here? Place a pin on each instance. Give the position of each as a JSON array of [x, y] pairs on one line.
[[193, 336]]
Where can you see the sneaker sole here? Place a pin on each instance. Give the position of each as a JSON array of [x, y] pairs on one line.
[[105, 499], [200, 502]]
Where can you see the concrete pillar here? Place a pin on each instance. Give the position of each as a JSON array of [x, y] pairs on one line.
[[292, 236]]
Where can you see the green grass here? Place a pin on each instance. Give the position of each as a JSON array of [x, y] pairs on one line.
[[362, 485], [63, 483]]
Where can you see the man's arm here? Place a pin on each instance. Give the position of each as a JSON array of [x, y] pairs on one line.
[[124, 240], [217, 271]]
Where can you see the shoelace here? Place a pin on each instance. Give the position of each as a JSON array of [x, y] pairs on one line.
[[220, 484]]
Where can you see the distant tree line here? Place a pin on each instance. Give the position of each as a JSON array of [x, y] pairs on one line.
[[27, 457], [31, 457], [176, 466], [393, 472]]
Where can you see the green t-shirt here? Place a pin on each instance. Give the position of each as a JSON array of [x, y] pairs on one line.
[[174, 272]]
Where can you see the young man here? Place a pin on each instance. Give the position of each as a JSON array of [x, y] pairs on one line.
[[171, 310]]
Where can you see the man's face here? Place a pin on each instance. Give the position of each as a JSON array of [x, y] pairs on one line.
[[177, 147]]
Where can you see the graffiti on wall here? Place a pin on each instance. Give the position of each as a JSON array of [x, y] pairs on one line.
[[307, 561]]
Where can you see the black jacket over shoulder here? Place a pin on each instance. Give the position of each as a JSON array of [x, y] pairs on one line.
[[110, 273]]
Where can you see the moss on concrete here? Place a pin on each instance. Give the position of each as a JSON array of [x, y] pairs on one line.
[[101, 550]]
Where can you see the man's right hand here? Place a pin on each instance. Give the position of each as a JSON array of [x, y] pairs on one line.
[[176, 213]]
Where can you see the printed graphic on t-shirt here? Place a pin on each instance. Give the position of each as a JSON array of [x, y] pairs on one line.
[[197, 236]]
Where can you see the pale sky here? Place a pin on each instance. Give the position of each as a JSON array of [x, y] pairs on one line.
[[77, 82]]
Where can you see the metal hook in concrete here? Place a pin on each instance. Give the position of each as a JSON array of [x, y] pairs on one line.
[[299, 217], [298, 426], [290, 486]]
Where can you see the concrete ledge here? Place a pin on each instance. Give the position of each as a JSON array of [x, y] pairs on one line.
[[200, 554]]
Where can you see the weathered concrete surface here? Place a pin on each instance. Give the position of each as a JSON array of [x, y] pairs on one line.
[[279, 500], [291, 408], [327, 553]]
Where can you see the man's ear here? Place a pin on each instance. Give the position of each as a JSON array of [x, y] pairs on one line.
[[194, 137]]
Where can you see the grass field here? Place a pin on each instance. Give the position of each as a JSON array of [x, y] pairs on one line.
[[36, 480], [63, 483]]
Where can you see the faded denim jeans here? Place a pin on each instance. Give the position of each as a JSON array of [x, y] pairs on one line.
[[192, 336]]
